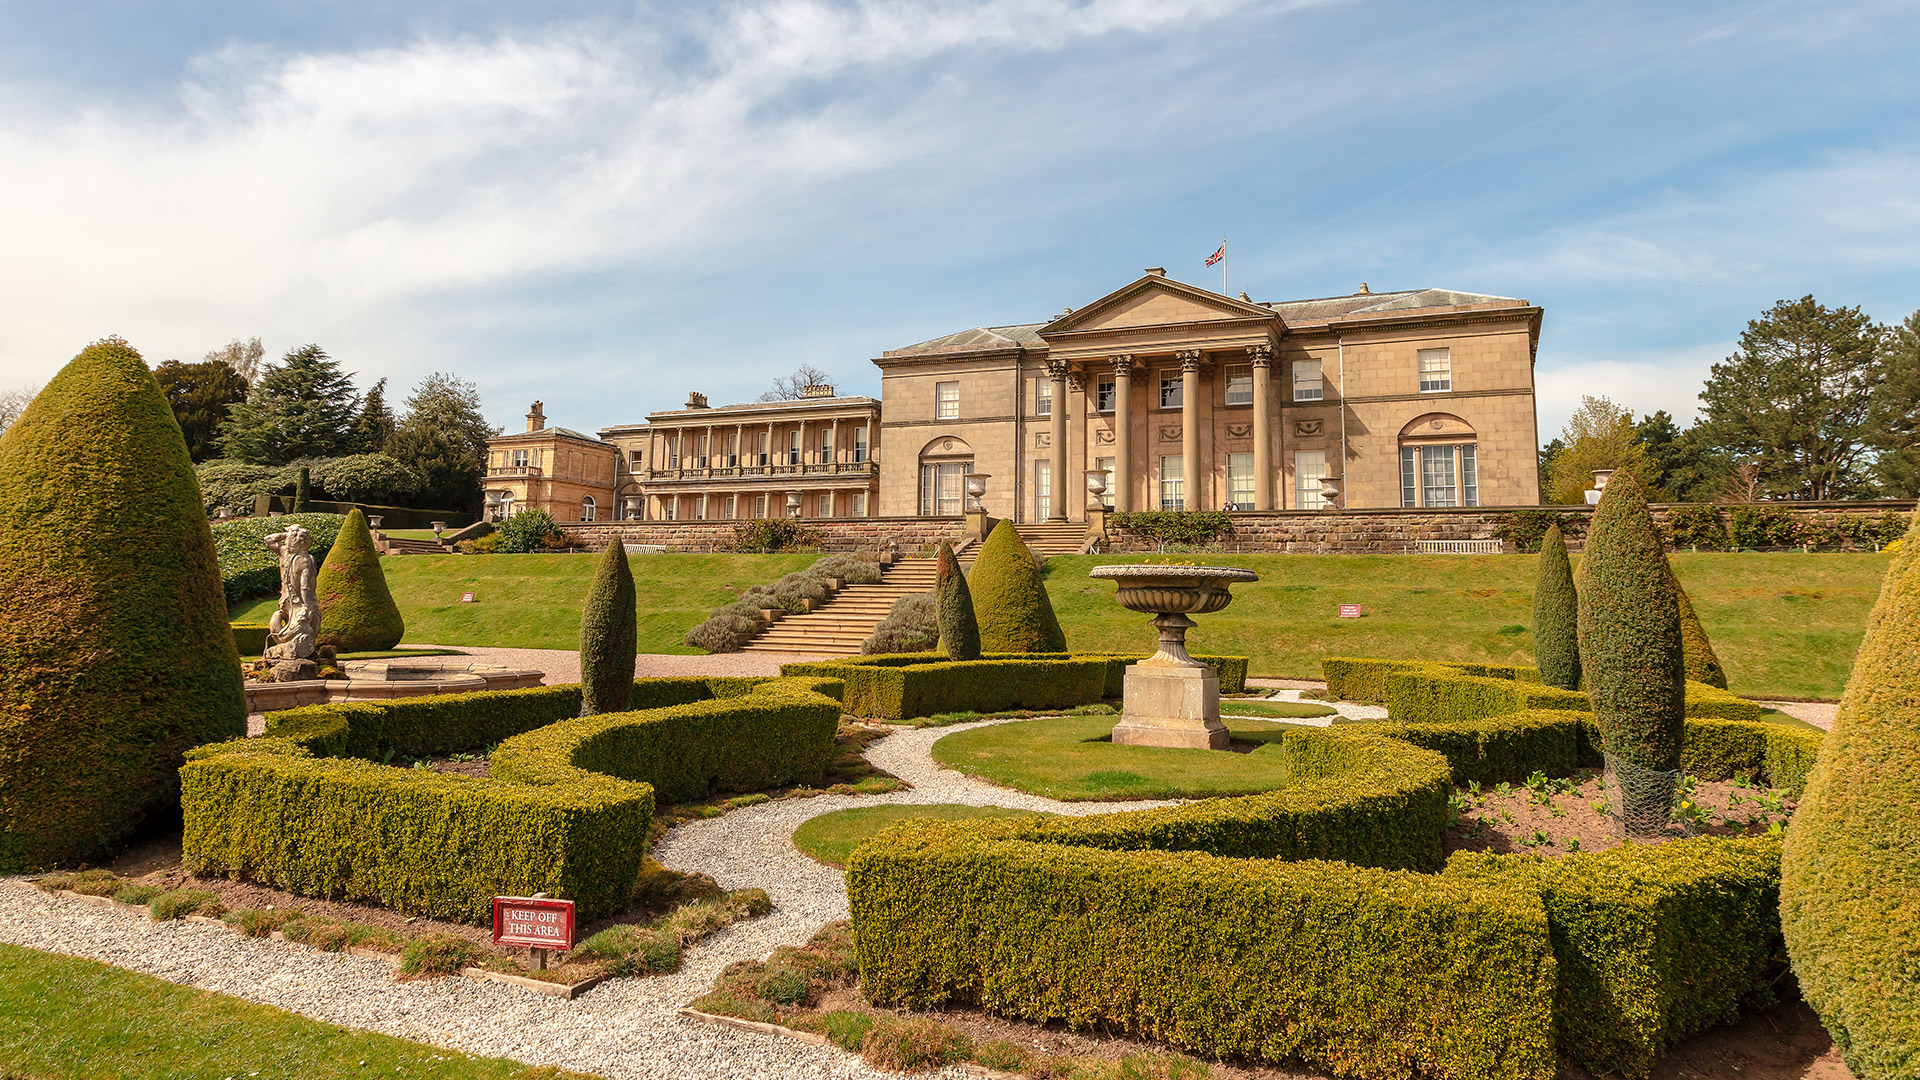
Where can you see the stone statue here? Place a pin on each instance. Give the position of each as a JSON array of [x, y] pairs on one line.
[[294, 629]]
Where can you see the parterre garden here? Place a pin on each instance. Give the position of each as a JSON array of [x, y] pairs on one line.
[[1303, 904]]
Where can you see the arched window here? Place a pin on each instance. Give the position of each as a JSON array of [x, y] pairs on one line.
[[1439, 462], [587, 507], [943, 462], [506, 505]]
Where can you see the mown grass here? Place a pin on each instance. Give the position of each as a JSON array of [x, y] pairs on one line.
[[830, 838], [1783, 623], [1070, 758], [534, 601], [63, 1018]]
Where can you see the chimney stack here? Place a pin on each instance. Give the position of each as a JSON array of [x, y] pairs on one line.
[[1156, 271], [696, 400], [1364, 290], [814, 390], [536, 418]]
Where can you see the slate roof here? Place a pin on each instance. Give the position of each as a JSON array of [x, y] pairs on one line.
[[764, 406], [545, 431]]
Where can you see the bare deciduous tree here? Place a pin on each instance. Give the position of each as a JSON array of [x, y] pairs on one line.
[[793, 387], [14, 402], [242, 356]]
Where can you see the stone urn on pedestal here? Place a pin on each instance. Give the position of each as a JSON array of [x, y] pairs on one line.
[[1171, 699]]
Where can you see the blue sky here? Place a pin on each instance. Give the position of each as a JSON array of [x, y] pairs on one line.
[[607, 205]]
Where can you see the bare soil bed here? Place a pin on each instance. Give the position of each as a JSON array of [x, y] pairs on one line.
[[1559, 817]]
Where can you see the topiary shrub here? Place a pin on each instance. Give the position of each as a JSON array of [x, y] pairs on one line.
[[959, 632], [357, 612], [1010, 602], [1696, 651], [912, 625], [115, 652], [1556, 615], [1630, 648], [608, 636], [303, 491], [1851, 871]]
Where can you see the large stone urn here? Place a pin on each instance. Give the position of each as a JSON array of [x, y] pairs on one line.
[[1171, 699]]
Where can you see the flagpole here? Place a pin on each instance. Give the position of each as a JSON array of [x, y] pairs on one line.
[[1223, 264]]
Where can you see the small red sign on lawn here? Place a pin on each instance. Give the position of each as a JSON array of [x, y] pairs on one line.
[[466, 598], [1349, 611], [533, 922]]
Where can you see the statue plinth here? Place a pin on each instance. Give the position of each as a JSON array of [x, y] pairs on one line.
[[1171, 699]]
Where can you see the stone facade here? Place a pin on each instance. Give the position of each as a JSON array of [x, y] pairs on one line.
[[908, 537], [563, 472]]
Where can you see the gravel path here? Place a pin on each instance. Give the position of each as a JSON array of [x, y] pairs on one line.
[[623, 1028]]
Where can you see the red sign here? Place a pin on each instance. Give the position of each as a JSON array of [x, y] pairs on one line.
[[466, 598], [1349, 611], [534, 922]]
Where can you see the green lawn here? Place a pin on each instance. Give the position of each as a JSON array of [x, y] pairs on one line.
[[1783, 623], [1069, 759], [533, 601], [1273, 710], [63, 1018], [830, 838]]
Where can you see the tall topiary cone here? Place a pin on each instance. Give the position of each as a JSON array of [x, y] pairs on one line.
[[357, 612], [1850, 877], [303, 491], [1556, 615], [1630, 645], [608, 636], [115, 652], [959, 630], [1697, 652], [1009, 601]]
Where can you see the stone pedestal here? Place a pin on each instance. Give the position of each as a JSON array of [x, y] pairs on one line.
[[1172, 705]]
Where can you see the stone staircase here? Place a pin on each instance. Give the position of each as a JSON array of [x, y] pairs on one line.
[[406, 545], [1054, 537], [847, 618]]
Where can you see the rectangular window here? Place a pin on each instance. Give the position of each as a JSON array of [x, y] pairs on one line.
[[700, 452], [859, 508], [793, 447], [759, 506], [1307, 385], [1240, 481], [1170, 391], [1408, 489], [859, 445], [1436, 370], [700, 508], [731, 506], [733, 453], [823, 506], [636, 460], [1104, 394], [941, 489], [1240, 385], [1436, 476], [667, 507], [826, 446], [519, 459], [1309, 468], [1170, 497], [1469, 476], [766, 437], [1042, 489], [946, 401], [1043, 396], [1105, 465]]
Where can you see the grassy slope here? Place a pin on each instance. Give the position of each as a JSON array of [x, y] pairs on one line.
[[63, 1018], [831, 837], [1782, 623], [533, 601]]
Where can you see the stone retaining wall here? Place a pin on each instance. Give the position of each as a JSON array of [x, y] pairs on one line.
[[907, 536]]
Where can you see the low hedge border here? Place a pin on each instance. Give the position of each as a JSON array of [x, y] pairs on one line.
[[1351, 678], [900, 686], [566, 811], [1434, 693], [1223, 927], [250, 638]]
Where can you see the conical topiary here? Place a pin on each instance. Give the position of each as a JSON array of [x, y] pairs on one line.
[[959, 630], [303, 491], [1556, 615], [1850, 875], [1697, 652], [357, 612], [1630, 649], [608, 636], [115, 652], [1009, 601]]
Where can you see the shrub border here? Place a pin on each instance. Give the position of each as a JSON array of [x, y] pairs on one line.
[[899, 686]]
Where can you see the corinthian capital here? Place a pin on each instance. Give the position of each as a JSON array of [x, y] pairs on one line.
[[1122, 363], [1191, 359], [1056, 370], [1260, 355]]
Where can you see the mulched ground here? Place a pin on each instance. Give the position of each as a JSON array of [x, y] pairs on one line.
[[1558, 817]]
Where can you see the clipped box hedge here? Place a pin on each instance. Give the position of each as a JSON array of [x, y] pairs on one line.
[[1352, 678], [900, 686], [1433, 693], [250, 639], [566, 810]]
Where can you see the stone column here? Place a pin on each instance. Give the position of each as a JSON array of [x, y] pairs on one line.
[[739, 447], [1057, 428], [1262, 358], [1079, 426], [833, 440], [772, 450], [1122, 432], [803, 446], [1191, 496]]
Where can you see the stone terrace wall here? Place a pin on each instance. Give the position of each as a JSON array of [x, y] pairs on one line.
[[908, 536]]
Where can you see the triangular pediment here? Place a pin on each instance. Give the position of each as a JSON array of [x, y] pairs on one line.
[[1154, 300]]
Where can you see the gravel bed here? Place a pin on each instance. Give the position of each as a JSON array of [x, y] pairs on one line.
[[623, 1028]]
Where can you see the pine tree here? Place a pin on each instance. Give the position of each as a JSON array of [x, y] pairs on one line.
[[116, 656], [357, 612], [1850, 873], [376, 423], [301, 407], [1556, 615], [1630, 646], [202, 395], [444, 439], [959, 630], [1010, 601], [608, 636]]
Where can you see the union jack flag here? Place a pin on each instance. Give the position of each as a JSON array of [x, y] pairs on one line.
[[1218, 255]]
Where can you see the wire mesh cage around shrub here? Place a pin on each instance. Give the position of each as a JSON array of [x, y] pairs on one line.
[[1640, 801]]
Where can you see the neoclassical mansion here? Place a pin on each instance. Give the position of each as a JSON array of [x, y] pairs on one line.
[[1160, 395]]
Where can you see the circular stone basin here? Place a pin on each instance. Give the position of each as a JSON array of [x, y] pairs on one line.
[[1166, 590]]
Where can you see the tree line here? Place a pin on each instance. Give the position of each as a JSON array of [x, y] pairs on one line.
[[249, 426], [1816, 403]]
